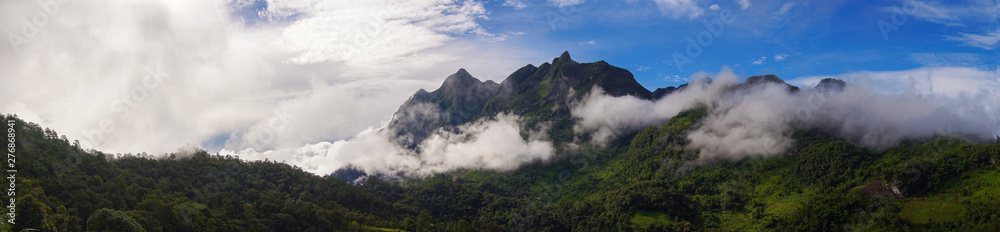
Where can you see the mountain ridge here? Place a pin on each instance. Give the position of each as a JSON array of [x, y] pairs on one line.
[[542, 93], [536, 93], [645, 180]]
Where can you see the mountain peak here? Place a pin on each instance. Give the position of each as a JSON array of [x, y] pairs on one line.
[[565, 55], [769, 78], [564, 58], [831, 84], [458, 101], [460, 78], [764, 79]]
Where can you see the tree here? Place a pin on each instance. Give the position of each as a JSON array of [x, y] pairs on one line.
[[105, 219]]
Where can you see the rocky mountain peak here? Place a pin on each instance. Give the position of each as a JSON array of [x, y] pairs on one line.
[[460, 79], [565, 56], [831, 84], [769, 78]]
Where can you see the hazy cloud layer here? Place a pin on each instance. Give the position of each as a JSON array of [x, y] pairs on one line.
[[607, 117], [987, 40], [493, 144], [757, 121], [153, 76]]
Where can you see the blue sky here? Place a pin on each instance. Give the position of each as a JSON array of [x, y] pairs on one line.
[[260, 75], [911, 46], [788, 38]]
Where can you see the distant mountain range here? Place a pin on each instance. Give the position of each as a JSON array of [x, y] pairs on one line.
[[645, 180], [543, 94], [538, 94]]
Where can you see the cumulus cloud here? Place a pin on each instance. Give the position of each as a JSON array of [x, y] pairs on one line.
[[757, 120], [607, 117], [714, 7], [780, 57], [750, 121], [491, 144], [180, 72], [164, 65], [945, 81], [516, 4], [680, 8], [758, 61], [744, 4], [372, 33], [564, 3]]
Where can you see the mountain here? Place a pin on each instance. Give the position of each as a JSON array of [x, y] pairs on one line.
[[769, 78], [647, 181], [459, 100], [646, 184], [539, 94], [661, 92], [535, 91], [830, 84]]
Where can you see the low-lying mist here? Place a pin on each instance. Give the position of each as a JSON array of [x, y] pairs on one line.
[[490, 143], [757, 120], [742, 120]]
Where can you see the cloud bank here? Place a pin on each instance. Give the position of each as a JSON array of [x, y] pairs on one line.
[[744, 121], [491, 144], [153, 76]]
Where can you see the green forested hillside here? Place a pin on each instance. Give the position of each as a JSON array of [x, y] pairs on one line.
[[644, 181]]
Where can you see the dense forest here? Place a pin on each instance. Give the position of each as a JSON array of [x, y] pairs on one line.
[[644, 181]]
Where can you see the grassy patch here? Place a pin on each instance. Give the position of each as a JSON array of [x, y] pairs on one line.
[[931, 211], [645, 219]]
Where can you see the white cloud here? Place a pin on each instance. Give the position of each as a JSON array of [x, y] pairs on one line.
[[675, 78], [516, 4], [679, 8], [93, 65], [744, 4], [929, 12], [758, 61], [758, 120], [491, 144], [949, 13], [565, 3], [986, 41], [780, 57], [714, 7], [632, 113], [785, 8], [224, 78], [945, 81], [952, 59], [591, 43], [372, 33]]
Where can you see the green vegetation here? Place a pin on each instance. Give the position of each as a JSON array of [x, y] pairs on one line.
[[931, 211], [643, 181]]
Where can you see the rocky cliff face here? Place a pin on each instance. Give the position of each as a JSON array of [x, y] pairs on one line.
[[769, 78], [459, 100], [830, 84], [542, 96], [550, 85], [537, 94]]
